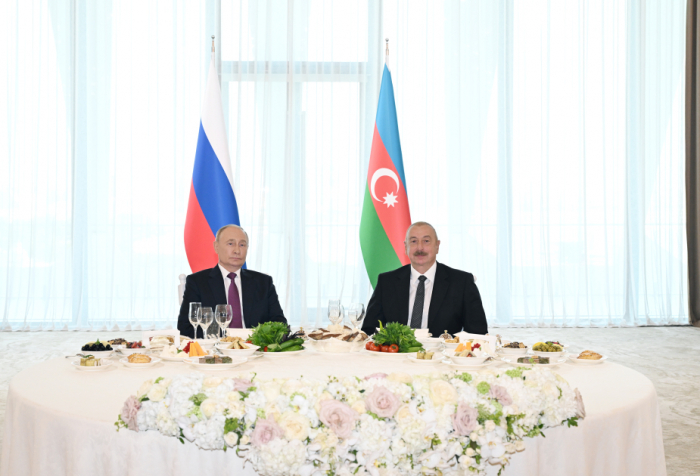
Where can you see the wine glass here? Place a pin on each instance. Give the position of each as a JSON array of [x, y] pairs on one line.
[[223, 315], [193, 316], [356, 314], [206, 320], [335, 311]]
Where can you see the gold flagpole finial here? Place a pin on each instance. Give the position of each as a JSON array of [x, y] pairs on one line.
[[212, 43], [387, 47]]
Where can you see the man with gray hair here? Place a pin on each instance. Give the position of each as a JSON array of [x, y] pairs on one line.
[[425, 293], [251, 294]]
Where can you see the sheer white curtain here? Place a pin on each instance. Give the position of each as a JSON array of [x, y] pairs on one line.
[[544, 140]]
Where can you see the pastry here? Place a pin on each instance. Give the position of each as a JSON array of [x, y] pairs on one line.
[[139, 359], [589, 355], [90, 361]]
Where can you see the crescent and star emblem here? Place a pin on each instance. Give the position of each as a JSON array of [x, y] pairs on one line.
[[390, 199]]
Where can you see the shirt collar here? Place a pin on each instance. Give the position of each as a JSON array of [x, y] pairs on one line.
[[430, 274], [224, 272]]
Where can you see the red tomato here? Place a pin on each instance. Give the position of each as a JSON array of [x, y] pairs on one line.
[[368, 345], [373, 347], [393, 348], [265, 349], [385, 348]]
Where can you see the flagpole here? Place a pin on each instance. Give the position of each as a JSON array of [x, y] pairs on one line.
[[386, 58]]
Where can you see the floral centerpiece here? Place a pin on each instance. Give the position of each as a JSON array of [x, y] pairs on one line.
[[439, 423]]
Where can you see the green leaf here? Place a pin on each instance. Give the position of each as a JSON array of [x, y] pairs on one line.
[[269, 333], [198, 399]]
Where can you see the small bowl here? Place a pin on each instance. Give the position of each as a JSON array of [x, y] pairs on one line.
[[468, 360], [126, 351], [513, 351], [100, 354], [552, 355], [236, 352]]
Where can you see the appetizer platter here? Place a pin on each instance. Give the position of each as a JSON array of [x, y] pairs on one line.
[[426, 358], [513, 348], [277, 338], [532, 360], [394, 340], [337, 339], [97, 348], [236, 347], [128, 348], [90, 363]]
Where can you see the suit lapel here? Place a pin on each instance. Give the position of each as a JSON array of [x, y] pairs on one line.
[[440, 287], [402, 292], [216, 284]]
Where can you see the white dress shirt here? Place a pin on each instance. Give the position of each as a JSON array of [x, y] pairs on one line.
[[237, 282], [430, 274]]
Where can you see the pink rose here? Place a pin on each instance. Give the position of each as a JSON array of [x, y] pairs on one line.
[[465, 420], [338, 417], [129, 411], [242, 385], [266, 431], [382, 402], [500, 394], [377, 375]]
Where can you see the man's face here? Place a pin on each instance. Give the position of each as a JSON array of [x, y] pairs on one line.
[[232, 248], [422, 247]]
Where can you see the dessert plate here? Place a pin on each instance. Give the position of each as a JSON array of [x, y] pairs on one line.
[[194, 362], [133, 365], [172, 358], [107, 365], [576, 361]]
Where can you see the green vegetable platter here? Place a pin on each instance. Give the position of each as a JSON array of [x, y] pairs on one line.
[[276, 337], [394, 335]]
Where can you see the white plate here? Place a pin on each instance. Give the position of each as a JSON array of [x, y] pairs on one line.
[[469, 366], [106, 364], [551, 355], [170, 358], [512, 351], [437, 359], [277, 355], [450, 345], [125, 361], [194, 362], [471, 361], [514, 361], [207, 343], [390, 355], [586, 361], [236, 352], [100, 355], [125, 351]]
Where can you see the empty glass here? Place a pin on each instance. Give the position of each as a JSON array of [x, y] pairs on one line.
[[335, 311], [356, 314], [206, 320], [193, 316], [223, 315]]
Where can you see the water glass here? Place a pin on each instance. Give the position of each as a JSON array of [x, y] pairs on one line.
[[206, 320], [356, 314], [223, 315], [193, 316], [335, 311]]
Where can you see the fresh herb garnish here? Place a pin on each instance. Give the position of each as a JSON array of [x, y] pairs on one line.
[[396, 333], [269, 333]]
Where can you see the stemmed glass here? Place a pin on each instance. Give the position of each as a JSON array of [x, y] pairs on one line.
[[206, 320], [335, 311], [356, 314], [193, 316], [223, 315]]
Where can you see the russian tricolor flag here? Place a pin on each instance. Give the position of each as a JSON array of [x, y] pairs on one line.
[[212, 202]]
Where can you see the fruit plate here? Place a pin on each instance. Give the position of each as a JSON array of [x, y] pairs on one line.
[[278, 355], [514, 361], [576, 361], [107, 365], [194, 362], [390, 355], [134, 365]]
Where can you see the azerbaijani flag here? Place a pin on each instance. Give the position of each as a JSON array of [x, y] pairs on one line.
[[385, 213], [212, 202]]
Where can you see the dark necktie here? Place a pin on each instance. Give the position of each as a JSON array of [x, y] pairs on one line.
[[417, 314], [234, 301]]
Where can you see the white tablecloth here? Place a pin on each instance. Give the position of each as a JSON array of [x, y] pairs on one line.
[[60, 421]]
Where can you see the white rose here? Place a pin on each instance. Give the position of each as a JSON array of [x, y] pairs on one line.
[[442, 392], [271, 390], [403, 414], [271, 411], [245, 440], [359, 407], [145, 388], [519, 445], [157, 393], [295, 426], [209, 407], [236, 409], [400, 377], [326, 439], [211, 382], [470, 452], [231, 439], [233, 397], [290, 386], [489, 425]]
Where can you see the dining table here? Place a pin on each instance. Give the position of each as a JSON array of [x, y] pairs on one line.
[[60, 420]]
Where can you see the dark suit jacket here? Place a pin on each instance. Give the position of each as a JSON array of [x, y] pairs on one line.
[[260, 302], [455, 304]]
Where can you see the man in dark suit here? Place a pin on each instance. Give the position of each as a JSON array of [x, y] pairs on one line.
[[425, 293], [251, 294]]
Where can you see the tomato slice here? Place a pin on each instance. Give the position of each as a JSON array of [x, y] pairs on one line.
[[393, 348]]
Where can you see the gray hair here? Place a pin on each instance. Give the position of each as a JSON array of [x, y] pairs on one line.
[[230, 226], [418, 223]]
